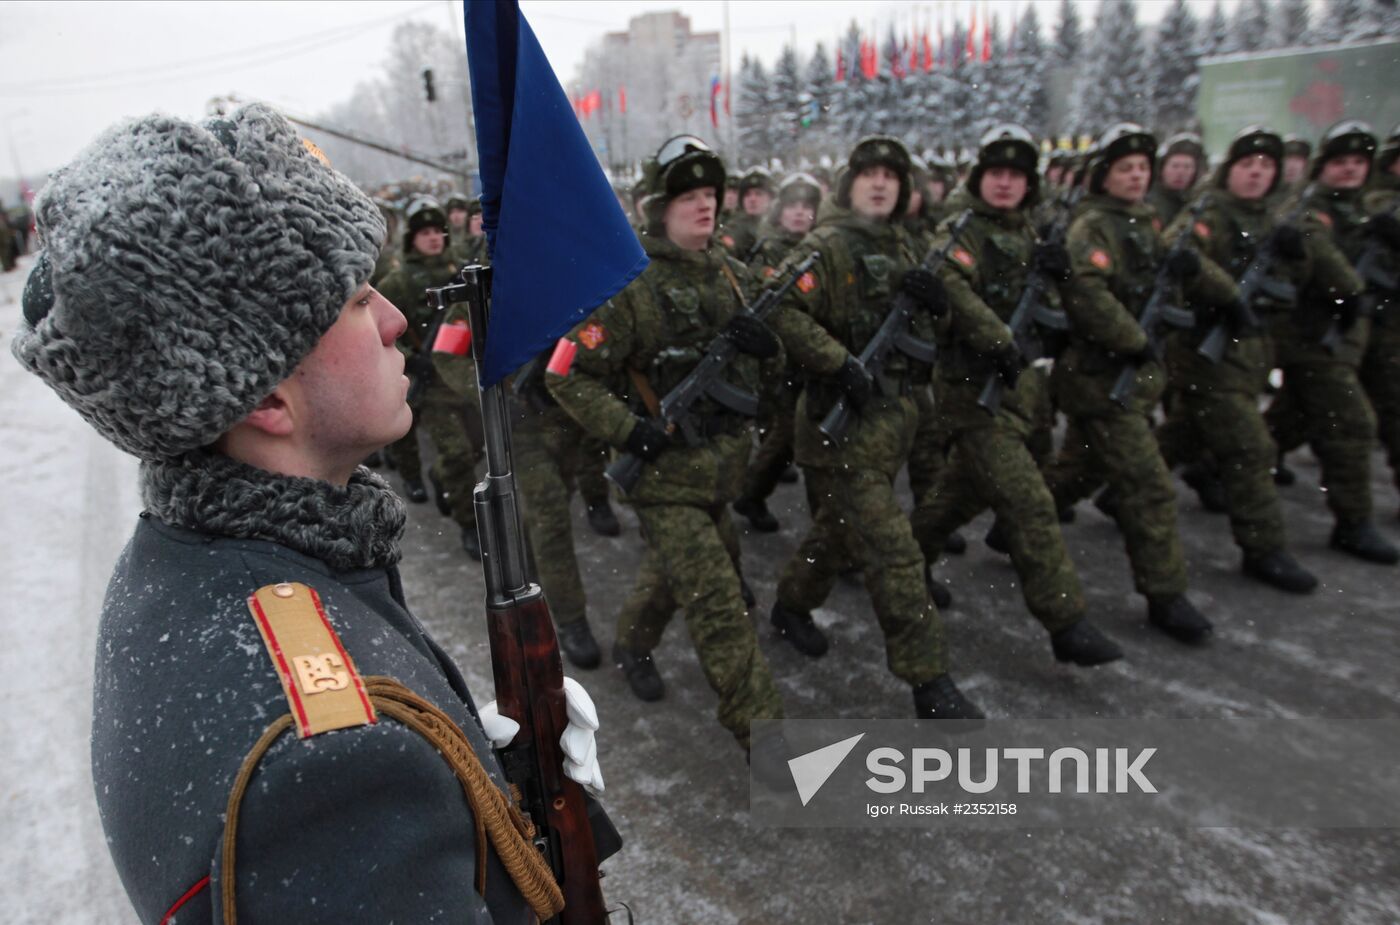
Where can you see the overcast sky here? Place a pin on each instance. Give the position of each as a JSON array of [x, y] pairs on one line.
[[69, 69]]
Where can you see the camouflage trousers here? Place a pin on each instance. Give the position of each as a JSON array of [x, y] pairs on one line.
[[453, 423], [775, 452], [549, 456], [1121, 450], [932, 441], [1324, 405], [994, 467], [1226, 426], [1380, 374], [858, 515], [689, 563]]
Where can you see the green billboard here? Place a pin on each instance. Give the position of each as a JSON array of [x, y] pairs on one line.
[[1300, 90]]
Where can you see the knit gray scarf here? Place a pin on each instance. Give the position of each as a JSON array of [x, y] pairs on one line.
[[354, 527]]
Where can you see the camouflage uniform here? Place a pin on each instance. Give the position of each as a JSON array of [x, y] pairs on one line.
[[827, 317], [990, 463], [1115, 248], [1322, 401], [658, 327], [1380, 368]]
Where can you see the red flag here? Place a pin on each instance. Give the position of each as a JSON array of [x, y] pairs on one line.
[[986, 39], [971, 35], [714, 97], [869, 58], [840, 64], [622, 100], [913, 55], [928, 54]]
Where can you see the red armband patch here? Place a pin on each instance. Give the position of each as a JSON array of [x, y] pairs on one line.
[[727, 241], [455, 338], [769, 272], [1325, 219], [562, 360], [1202, 230], [1156, 224], [592, 335], [807, 282], [1100, 259], [962, 256]]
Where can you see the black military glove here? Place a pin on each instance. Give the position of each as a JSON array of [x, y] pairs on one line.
[[1237, 314], [1384, 227], [1184, 263], [751, 336], [855, 380], [1288, 241], [1008, 363], [926, 290], [418, 366], [647, 440], [1051, 259]]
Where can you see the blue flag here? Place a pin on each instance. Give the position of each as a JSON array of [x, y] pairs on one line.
[[559, 243]]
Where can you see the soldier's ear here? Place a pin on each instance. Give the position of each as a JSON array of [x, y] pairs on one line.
[[273, 415]]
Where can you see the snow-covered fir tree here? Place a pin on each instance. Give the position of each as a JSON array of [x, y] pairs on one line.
[[1346, 21], [818, 90], [1113, 86], [1292, 25], [788, 108], [1173, 72], [1027, 72], [1215, 37], [753, 114], [1069, 38], [1250, 28]]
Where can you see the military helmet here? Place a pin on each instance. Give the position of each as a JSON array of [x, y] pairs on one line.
[[1007, 145], [1249, 141], [1118, 142], [1350, 136], [755, 178], [874, 151], [422, 212], [800, 187], [1390, 151], [455, 201], [1182, 143], [1296, 146], [681, 164]]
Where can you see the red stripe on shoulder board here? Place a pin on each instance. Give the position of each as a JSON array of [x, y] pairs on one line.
[[283, 668], [191, 893], [344, 657]]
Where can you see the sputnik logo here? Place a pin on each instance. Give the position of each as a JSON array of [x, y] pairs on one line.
[[812, 770]]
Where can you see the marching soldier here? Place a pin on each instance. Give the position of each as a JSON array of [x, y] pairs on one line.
[[448, 404], [630, 352], [1214, 407], [1297, 154], [787, 223], [464, 221], [1321, 345], [740, 231], [991, 464], [1180, 162], [1115, 248], [1380, 370], [824, 321]]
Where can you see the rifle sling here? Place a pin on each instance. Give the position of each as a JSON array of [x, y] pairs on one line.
[[644, 389]]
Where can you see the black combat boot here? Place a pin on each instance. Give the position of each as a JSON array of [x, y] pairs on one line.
[[1107, 503], [576, 639], [941, 699], [1281, 570], [471, 542], [797, 627], [640, 672], [996, 538], [768, 762], [1179, 619], [955, 544], [937, 590], [1207, 486], [414, 490], [1283, 475], [439, 497], [1364, 541], [789, 476], [758, 515], [1083, 644], [746, 593], [602, 519]]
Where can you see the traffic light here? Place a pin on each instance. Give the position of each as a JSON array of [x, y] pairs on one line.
[[428, 87]]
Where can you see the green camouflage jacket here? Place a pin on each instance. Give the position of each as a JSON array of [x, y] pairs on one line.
[[658, 328], [1331, 226]]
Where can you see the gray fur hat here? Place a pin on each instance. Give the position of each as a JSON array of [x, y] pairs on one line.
[[186, 270]]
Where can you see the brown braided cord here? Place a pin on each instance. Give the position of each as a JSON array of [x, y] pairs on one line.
[[496, 816]]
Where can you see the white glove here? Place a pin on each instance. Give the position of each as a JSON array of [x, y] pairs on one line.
[[578, 742]]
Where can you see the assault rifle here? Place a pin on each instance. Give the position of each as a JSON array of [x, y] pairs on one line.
[[572, 832], [1257, 281], [674, 410], [1159, 311], [893, 335], [1031, 311]]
